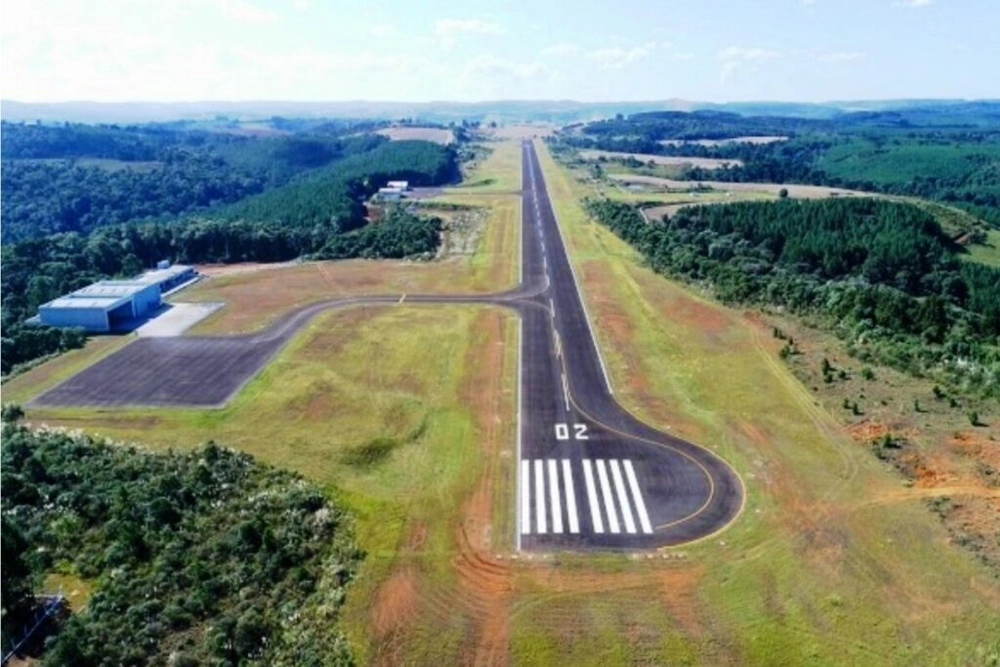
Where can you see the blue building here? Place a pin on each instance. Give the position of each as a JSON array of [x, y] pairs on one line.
[[111, 305]]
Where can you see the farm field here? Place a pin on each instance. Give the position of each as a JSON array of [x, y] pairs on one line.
[[497, 172], [800, 191], [757, 140], [704, 163], [436, 134]]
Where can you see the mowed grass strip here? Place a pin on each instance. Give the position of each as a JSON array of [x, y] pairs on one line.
[[403, 411], [500, 171], [812, 571]]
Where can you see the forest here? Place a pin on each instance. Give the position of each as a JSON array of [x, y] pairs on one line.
[[197, 557], [78, 177], [953, 157], [318, 211], [882, 275]]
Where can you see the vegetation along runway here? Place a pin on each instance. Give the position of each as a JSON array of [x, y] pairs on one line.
[[590, 474]]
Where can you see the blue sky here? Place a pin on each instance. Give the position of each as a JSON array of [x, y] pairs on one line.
[[587, 50]]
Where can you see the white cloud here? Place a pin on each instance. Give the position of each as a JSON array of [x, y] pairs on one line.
[[560, 50], [499, 68], [916, 3], [616, 57], [735, 58], [451, 27], [381, 30]]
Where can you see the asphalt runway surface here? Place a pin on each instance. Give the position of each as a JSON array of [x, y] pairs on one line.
[[590, 474]]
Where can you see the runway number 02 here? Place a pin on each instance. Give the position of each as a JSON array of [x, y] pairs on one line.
[[579, 432]]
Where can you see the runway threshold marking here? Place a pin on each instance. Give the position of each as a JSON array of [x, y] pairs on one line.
[[574, 520], [640, 504], [525, 497], [616, 475], [557, 523], [540, 518], [609, 504], [595, 509]]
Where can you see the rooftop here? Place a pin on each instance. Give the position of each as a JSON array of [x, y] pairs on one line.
[[159, 275]]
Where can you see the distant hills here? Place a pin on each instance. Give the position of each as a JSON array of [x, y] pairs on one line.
[[554, 111]]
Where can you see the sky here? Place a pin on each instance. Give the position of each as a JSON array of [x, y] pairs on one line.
[[466, 50]]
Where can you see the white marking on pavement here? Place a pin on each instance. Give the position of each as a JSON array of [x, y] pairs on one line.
[[525, 497], [609, 504], [640, 504], [616, 473], [595, 509], [540, 521], [565, 392], [525, 509], [574, 521], [557, 524]]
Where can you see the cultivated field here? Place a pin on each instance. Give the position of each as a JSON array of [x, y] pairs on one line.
[[758, 140], [436, 134], [703, 162], [799, 191]]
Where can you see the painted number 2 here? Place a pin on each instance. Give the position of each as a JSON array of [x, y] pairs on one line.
[[579, 432]]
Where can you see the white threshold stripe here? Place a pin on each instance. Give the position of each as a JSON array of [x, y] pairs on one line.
[[525, 497], [540, 519], [616, 473], [556, 504], [595, 509], [640, 504], [609, 504], [574, 520]]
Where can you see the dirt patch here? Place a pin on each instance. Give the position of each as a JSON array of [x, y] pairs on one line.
[[702, 162], [436, 134], [757, 140], [798, 191]]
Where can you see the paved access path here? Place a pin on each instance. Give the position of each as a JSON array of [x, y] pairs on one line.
[[590, 474]]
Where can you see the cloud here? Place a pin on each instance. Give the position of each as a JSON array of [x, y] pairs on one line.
[[916, 3], [452, 27], [560, 50], [617, 57], [842, 56], [499, 68], [735, 58], [381, 30]]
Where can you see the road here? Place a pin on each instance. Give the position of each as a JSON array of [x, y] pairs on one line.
[[590, 474]]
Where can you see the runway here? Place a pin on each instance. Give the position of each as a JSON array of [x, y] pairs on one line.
[[590, 474]]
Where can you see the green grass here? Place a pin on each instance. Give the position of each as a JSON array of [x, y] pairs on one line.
[[986, 253], [500, 171], [862, 159], [816, 570], [372, 403]]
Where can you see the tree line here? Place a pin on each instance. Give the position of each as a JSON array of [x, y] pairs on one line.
[[200, 557], [882, 275], [952, 160], [319, 214]]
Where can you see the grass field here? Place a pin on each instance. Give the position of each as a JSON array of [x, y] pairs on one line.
[[407, 413], [436, 134], [834, 559], [500, 171], [989, 252]]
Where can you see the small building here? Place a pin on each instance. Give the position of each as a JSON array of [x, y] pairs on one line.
[[169, 277], [113, 305], [104, 306], [402, 186], [390, 194]]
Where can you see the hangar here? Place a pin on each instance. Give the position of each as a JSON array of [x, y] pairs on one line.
[[111, 305]]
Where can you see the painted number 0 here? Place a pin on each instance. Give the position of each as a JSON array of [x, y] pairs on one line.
[[579, 432]]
